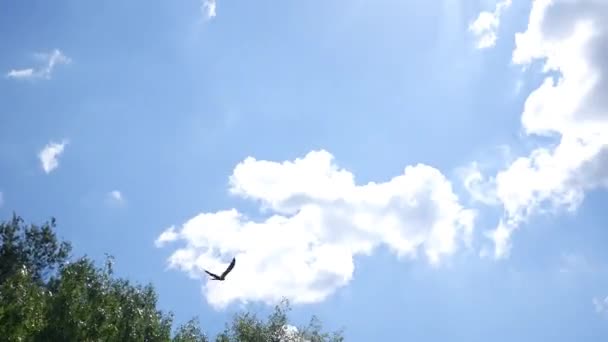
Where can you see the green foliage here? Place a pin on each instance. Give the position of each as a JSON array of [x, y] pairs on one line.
[[82, 302], [247, 327], [35, 247], [88, 304], [190, 332], [22, 307]]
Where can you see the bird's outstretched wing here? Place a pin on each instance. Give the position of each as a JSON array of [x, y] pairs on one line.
[[230, 267], [215, 276]]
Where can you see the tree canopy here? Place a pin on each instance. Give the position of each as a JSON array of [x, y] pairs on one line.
[[46, 295]]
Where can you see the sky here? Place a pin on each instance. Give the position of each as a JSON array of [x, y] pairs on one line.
[[405, 170]]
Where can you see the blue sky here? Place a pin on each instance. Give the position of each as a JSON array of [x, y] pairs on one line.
[[254, 129]]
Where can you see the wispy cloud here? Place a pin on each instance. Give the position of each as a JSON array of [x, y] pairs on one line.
[[486, 25], [480, 188], [600, 305], [49, 155], [49, 62], [21, 73], [573, 263], [208, 7], [116, 195], [115, 198], [167, 236]]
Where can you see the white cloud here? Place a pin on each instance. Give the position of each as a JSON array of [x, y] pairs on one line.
[[208, 7], [168, 235], [486, 25], [571, 38], [115, 197], [49, 155], [501, 237], [49, 60], [479, 187], [21, 74], [601, 305], [319, 219]]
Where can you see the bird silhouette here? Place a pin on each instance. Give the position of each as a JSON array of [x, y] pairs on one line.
[[223, 276]]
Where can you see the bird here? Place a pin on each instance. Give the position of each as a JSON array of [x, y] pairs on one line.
[[223, 276]]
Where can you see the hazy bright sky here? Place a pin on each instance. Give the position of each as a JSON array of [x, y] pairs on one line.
[[407, 170]]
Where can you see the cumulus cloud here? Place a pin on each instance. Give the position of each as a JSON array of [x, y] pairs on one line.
[[49, 155], [485, 27], [208, 7], [569, 38], [49, 62], [317, 220]]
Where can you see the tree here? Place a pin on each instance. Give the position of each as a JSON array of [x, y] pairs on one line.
[[43, 297], [190, 332], [248, 327], [87, 303], [35, 247], [22, 307]]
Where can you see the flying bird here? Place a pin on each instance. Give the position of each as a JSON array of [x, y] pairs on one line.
[[223, 276]]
